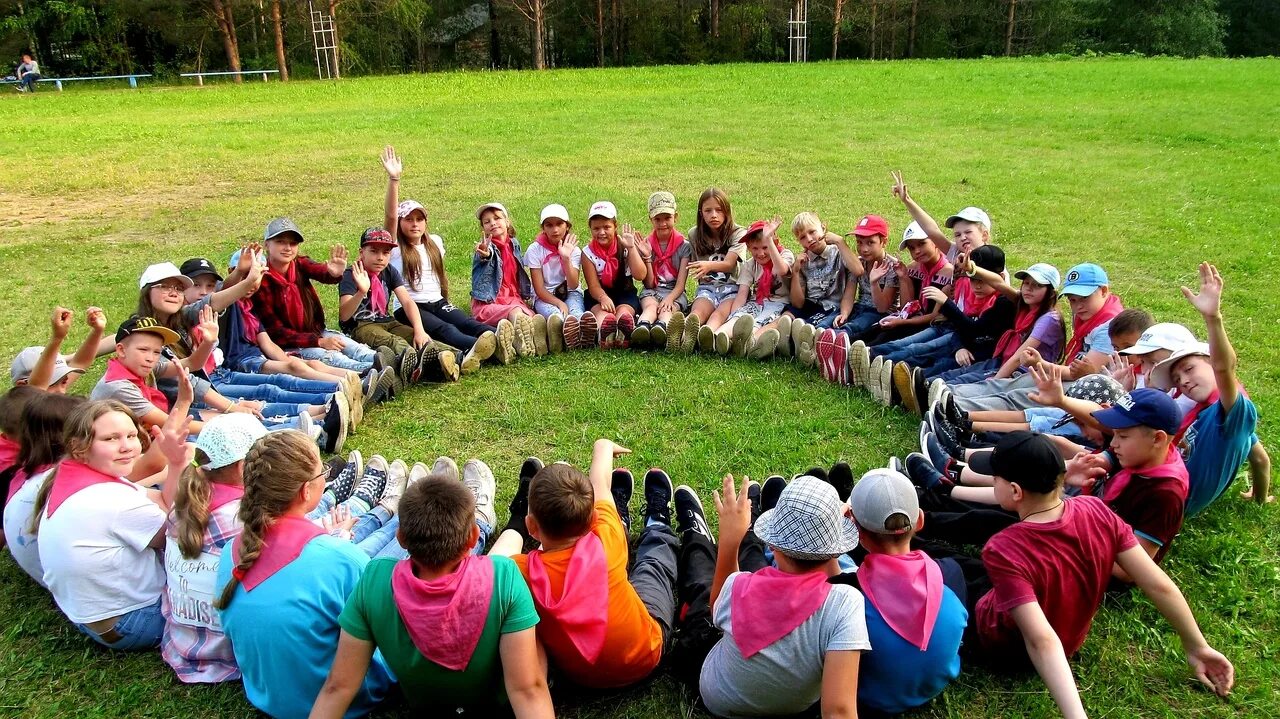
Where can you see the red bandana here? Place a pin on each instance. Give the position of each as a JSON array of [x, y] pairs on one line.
[[290, 291], [1079, 331], [608, 253], [664, 258], [117, 371], [906, 590]]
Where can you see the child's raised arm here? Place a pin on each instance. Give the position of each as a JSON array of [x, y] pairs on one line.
[[350, 664], [60, 324], [394, 168], [1221, 354], [601, 474], [734, 510], [1045, 650], [348, 304], [96, 318], [918, 214], [1210, 667]]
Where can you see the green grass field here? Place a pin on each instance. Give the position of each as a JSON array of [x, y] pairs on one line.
[[1145, 166]]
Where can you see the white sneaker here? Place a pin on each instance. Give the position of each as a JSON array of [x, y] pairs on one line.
[[418, 472], [447, 467], [397, 480], [478, 478]]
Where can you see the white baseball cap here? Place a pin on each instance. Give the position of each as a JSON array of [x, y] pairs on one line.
[[604, 209], [557, 211], [1164, 336], [913, 232], [160, 272], [492, 206], [1161, 376], [226, 439], [25, 363], [972, 214], [408, 206]]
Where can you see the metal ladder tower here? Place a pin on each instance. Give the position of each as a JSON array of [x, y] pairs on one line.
[[325, 40], [798, 32]]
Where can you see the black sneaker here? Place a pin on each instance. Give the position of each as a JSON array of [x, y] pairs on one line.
[[519, 507], [946, 437], [841, 477], [953, 413], [921, 389], [384, 358], [815, 472], [771, 491], [335, 427], [374, 482], [896, 465], [407, 367], [657, 496], [753, 494], [689, 514], [344, 483], [926, 476], [622, 487]]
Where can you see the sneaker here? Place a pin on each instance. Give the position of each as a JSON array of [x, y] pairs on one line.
[[841, 477], [690, 516], [308, 426], [658, 335], [765, 345], [519, 507], [344, 484], [622, 486], [540, 344], [722, 343], [397, 480], [942, 461], [784, 335], [353, 388], [589, 336], [741, 335], [530, 468], [842, 359], [946, 435], [675, 331], [626, 328], [860, 361], [753, 496], [954, 414], [373, 483], [447, 468], [796, 325], [805, 338], [525, 344], [691, 337], [470, 362], [919, 390], [926, 476], [478, 478], [906, 388], [343, 400], [334, 427], [384, 357], [657, 497], [608, 328], [572, 333], [936, 388], [886, 384], [706, 338], [555, 334], [771, 491], [486, 344], [383, 388], [429, 362], [447, 361], [640, 336], [505, 351], [815, 472], [896, 465], [873, 380], [827, 355], [417, 473], [408, 368]]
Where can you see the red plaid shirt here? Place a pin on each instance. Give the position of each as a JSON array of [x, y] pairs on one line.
[[268, 306]]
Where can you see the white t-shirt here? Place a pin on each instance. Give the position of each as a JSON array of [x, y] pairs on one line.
[[540, 258], [94, 550], [786, 676], [428, 288], [17, 524]]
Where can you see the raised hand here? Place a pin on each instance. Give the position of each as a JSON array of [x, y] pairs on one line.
[[900, 269], [568, 246], [1121, 370], [96, 318], [643, 246], [1209, 300], [484, 247], [254, 276], [186, 395], [734, 509], [61, 322], [391, 163], [627, 237], [337, 260], [1048, 379], [771, 227], [208, 325], [616, 449], [361, 277], [963, 263], [247, 259], [899, 186], [878, 270], [171, 438]]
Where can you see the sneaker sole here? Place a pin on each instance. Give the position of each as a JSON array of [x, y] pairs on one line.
[[572, 333], [706, 339], [675, 331], [906, 388], [540, 344], [765, 345], [486, 344], [826, 355], [640, 337], [526, 345], [689, 338], [506, 345], [784, 336], [555, 334], [741, 335], [589, 332]]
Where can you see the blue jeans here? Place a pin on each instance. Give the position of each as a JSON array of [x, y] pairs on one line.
[[139, 629], [28, 81], [573, 299], [275, 415], [861, 321], [389, 546], [353, 356], [976, 372], [272, 387], [902, 349]]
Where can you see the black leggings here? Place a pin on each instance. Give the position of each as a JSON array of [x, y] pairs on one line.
[[447, 323]]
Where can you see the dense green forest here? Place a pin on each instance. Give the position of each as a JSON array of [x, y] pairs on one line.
[[166, 37]]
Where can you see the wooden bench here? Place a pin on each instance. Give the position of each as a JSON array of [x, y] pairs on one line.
[[200, 76], [57, 81]]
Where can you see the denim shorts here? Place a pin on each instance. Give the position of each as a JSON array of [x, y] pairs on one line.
[[762, 314], [659, 294], [716, 294], [139, 629], [1043, 419]]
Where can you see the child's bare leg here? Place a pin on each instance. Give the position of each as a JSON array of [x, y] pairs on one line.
[[665, 316], [648, 309], [970, 478], [1259, 475], [978, 495], [761, 328], [508, 544], [622, 310], [997, 415], [325, 369], [1001, 426], [1066, 447], [719, 316], [703, 309]]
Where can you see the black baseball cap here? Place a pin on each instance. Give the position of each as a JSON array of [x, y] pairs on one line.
[[989, 258], [197, 266], [136, 324], [1027, 458]]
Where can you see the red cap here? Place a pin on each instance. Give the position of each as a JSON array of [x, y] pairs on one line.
[[871, 225], [755, 227], [377, 236]]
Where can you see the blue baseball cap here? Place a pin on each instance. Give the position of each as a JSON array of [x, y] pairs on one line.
[[1083, 280], [1147, 407]]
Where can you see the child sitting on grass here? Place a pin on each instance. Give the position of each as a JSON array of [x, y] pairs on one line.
[[790, 639], [663, 301], [763, 293], [601, 627], [1048, 573], [555, 268], [456, 629], [611, 263], [500, 287], [717, 252], [821, 294]]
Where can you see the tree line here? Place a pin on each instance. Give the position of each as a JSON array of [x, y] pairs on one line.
[[166, 37]]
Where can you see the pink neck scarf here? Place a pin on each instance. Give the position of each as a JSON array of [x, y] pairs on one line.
[[221, 495], [547, 244], [906, 590], [283, 543], [445, 616], [582, 611], [608, 253], [73, 476], [377, 295], [117, 371], [1080, 330], [770, 604], [1172, 468]]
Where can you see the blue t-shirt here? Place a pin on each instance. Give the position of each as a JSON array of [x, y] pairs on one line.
[[285, 632], [1214, 447], [1099, 340], [895, 675]]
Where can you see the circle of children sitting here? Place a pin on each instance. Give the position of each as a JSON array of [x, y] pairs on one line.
[[185, 504]]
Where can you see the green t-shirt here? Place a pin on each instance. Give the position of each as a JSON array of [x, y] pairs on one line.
[[371, 615]]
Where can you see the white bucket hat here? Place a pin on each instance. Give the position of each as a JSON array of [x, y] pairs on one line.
[[809, 522]]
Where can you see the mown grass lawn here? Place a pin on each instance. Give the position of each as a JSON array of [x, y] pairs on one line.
[[1145, 166]]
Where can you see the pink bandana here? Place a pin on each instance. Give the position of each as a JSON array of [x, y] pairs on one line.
[[608, 253], [969, 302], [764, 287], [117, 371], [547, 244], [582, 611], [221, 495], [446, 616], [1172, 468], [8, 452], [377, 295], [73, 476], [283, 543], [906, 590], [770, 604]]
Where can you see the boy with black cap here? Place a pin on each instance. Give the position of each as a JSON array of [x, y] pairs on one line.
[[1049, 572], [365, 313]]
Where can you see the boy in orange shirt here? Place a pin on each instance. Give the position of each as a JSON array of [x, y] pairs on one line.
[[601, 628]]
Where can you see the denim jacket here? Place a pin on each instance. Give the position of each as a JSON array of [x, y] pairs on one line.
[[486, 274]]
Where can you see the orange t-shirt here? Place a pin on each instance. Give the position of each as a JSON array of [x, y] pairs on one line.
[[633, 639]]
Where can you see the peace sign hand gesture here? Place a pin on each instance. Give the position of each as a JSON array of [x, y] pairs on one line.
[[899, 186]]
